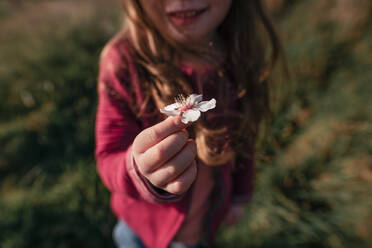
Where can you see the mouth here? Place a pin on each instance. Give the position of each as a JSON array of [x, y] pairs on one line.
[[186, 17]]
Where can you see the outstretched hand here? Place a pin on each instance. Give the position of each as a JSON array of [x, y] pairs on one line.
[[166, 156]]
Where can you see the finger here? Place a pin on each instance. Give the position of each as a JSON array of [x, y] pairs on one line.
[[153, 135], [183, 182], [174, 167], [163, 151]]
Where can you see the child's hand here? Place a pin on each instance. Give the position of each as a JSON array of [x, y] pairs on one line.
[[235, 213], [165, 156]]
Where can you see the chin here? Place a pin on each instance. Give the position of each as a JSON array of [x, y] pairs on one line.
[[190, 41], [191, 38]]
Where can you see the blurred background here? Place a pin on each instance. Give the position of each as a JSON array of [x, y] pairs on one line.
[[314, 174]]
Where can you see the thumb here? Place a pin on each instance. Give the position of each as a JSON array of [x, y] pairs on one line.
[[153, 135]]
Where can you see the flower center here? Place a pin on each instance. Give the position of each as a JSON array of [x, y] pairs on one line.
[[185, 105], [185, 108]]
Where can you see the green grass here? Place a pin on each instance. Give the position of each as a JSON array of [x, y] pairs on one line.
[[314, 174]]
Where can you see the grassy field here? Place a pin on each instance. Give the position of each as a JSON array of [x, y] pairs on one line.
[[314, 174]]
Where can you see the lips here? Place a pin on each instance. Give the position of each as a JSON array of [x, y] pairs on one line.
[[186, 17]]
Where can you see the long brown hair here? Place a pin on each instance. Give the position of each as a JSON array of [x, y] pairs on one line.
[[252, 47]]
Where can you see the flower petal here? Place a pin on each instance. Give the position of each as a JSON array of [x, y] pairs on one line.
[[206, 105], [190, 115], [194, 98], [170, 112], [172, 106]]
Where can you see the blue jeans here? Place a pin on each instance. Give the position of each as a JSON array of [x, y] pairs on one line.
[[124, 237]]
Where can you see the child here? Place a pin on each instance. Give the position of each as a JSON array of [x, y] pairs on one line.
[[173, 184]]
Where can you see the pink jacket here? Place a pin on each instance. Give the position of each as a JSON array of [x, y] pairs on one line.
[[154, 215]]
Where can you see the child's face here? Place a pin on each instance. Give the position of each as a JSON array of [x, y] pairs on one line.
[[187, 21]]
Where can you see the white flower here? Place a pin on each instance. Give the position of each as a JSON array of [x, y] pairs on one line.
[[189, 108]]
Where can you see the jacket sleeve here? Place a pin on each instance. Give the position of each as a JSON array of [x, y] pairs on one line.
[[243, 178], [116, 127]]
